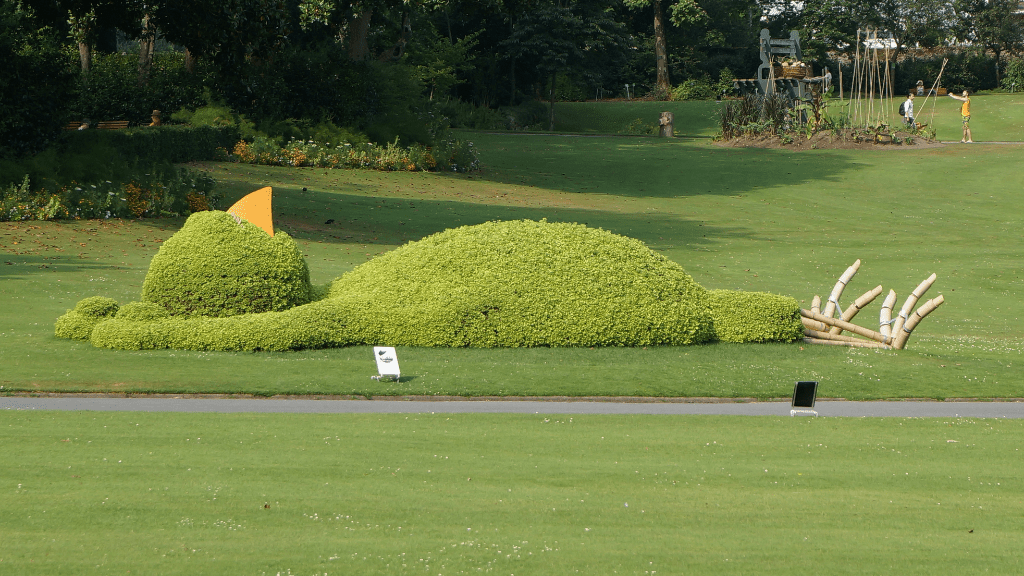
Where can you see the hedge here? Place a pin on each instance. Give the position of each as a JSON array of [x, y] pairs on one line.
[[215, 266], [158, 144], [755, 316], [78, 323], [498, 284]]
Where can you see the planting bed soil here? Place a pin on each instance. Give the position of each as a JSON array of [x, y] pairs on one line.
[[829, 140]]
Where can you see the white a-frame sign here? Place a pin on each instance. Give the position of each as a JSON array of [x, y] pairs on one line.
[[387, 363]]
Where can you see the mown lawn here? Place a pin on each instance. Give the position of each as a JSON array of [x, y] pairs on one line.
[[113, 493], [763, 220]]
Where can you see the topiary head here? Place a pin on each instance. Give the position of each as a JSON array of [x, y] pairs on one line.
[[219, 266]]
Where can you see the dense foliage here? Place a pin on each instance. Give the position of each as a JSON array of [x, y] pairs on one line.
[[387, 69], [499, 284], [217, 266], [524, 283], [755, 316]]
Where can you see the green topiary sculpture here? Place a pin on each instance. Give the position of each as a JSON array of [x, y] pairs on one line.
[[219, 266], [525, 283], [221, 285], [77, 324]]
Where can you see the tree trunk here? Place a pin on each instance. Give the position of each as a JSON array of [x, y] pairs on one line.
[[85, 55], [999, 76], [147, 44], [660, 47], [358, 39], [551, 107], [512, 97], [190, 61]]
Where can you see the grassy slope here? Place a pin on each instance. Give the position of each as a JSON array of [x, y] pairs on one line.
[[747, 219], [106, 493]]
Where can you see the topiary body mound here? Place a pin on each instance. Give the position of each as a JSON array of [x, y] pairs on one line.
[[217, 266], [526, 283], [504, 284]]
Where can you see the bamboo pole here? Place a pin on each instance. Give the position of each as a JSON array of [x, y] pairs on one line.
[[885, 316], [919, 314], [814, 324], [857, 305], [830, 336], [934, 88], [847, 326], [833, 299], [911, 302], [861, 344], [855, 85], [840, 65], [816, 303]]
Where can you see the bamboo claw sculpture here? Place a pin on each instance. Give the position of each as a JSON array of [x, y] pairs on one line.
[[821, 328], [885, 317], [833, 299], [858, 304]]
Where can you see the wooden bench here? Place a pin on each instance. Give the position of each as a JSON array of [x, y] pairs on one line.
[[112, 125], [73, 125]]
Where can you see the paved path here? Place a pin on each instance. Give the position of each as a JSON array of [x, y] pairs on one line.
[[300, 406]]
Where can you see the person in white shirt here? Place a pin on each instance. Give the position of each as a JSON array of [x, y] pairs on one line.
[[908, 110]]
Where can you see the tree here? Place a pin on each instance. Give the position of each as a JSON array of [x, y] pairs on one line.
[[575, 37], [833, 24], [83, 19], [683, 12], [230, 32], [34, 78], [993, 24]]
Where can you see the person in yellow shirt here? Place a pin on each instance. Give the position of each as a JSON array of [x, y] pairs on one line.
[[965, 112]]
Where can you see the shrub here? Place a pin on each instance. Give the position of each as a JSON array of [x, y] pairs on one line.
[[640, 127], [461, 114], [755, 316], [164, 191], [33, 80], [111, 90], [142, 312], [78, 323], [499, 284], [525, 283], [1013, 79], [448, 155], [215, 266]]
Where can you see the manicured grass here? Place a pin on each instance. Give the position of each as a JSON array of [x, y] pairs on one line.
[[108, 493], [760, 220]]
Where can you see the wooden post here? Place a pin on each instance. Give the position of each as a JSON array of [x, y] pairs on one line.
[[816, 304], [665, 125]]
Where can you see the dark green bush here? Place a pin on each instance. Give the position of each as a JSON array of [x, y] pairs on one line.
[[215, 266], [33, 81], [111, 90], [158, 144], [755, 316], [78, 323]]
